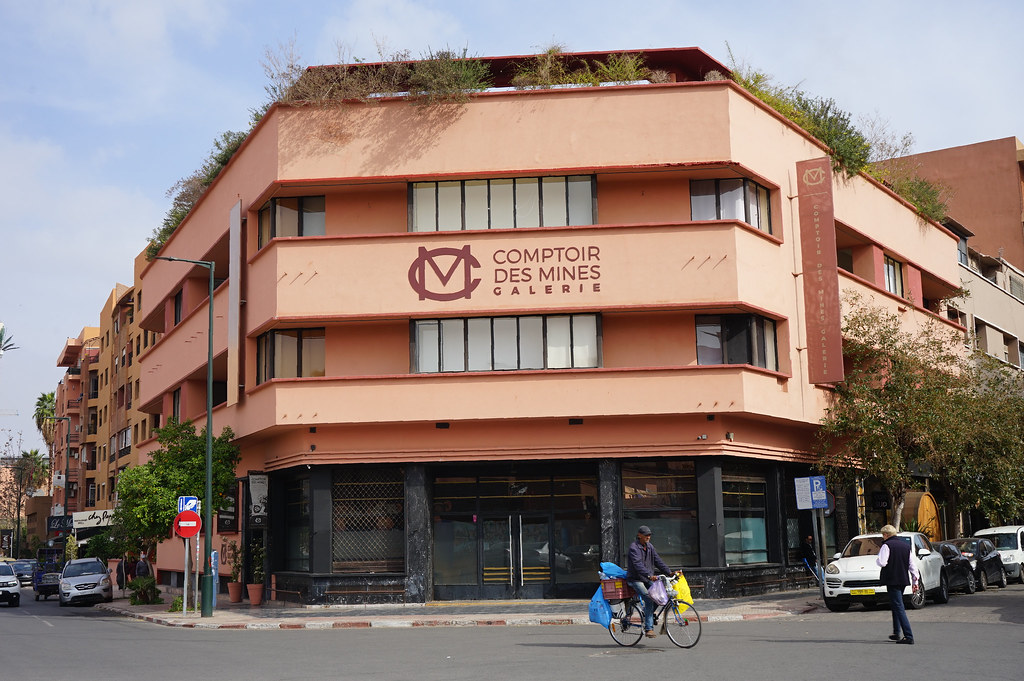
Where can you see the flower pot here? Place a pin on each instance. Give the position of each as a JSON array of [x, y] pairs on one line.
[[255, 593], [235, 592]]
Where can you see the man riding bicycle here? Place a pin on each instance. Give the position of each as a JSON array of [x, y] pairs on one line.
[[643, 560]]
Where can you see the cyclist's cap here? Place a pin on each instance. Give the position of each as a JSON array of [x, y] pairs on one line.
[[644, 530]]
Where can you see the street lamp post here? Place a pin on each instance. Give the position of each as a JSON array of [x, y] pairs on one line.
[[208, 576]]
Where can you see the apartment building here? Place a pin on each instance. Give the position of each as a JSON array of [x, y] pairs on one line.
[[472, 346], [76, 408]]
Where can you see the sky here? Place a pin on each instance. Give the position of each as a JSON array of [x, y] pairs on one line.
[[105, 104]]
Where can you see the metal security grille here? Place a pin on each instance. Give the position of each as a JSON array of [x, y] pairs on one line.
[[368, 520]]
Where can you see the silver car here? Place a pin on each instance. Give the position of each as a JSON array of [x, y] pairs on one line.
[[85, 580], [10, 588]]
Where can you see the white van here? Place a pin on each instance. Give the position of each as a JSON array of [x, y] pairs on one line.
[[1009, 541]]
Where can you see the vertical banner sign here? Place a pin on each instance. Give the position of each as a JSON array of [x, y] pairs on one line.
[[6, 542], [821, 274], [227, 517], [257, 500]]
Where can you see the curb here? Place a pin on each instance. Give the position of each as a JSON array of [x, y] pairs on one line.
[[398, 622]]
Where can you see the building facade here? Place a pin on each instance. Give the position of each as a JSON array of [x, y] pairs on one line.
[[473, 345]]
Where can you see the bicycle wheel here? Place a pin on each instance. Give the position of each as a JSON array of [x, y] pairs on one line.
[[682, 624], [628, 630]]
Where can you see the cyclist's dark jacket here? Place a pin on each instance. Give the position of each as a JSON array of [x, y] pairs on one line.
[[642, 561]]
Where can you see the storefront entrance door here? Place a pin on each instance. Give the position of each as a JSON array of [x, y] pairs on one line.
[[517, 556]]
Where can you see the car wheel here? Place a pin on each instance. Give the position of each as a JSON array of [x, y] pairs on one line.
[[60, 602], [37, 597], [972, 585], [942, 593], [982, 580], [16, 602], [1020, 573], [1002, 578], [836, 606], [916, 600]]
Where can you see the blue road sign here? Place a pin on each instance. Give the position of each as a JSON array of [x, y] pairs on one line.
[[188, 504], [819, 495]]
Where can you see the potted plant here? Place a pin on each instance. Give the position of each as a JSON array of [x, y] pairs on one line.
[[255, 588], [235, 585]]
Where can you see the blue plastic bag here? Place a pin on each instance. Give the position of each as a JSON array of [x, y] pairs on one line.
[[612, 570], [600, 609]]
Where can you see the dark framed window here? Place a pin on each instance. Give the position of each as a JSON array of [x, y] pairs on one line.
[[178, 300], [297, 525], [368, 515], [736, 339], [292, 216], [893, 276], [506, 343], [176, 405], [744, 499], [507, 203], [731, 199], [290, 353], [663, 496]]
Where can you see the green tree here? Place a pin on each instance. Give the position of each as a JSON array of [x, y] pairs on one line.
[[43, 415], [892, 411], [148, 494], [6, 341]]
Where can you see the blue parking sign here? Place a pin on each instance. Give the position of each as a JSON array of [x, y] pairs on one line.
[[188, 504]]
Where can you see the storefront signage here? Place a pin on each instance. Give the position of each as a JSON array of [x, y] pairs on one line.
[[59, 523], [820, 271], [92, 519], [258, 499], [227, 517], [456, 273]]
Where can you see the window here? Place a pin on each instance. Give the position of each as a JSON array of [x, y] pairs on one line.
[[1016, 287], [297, 526], [736, 339], [178, 299], [893, 276], [744, 501], [506, 343], [176, 405], [501, 204], [961, 249], [292, 216], [663, 496], [734, 199], [368, 518], [290, 353]]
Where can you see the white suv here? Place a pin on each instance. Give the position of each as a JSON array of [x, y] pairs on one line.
[[1009, 541], [10, 587], [854, 577]]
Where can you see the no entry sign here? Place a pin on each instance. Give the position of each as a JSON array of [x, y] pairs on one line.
[[187, 524]]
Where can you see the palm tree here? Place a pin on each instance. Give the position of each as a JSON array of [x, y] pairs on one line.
[[43, 415], [6, 341]]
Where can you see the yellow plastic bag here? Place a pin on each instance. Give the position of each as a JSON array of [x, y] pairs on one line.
[[683, 596]]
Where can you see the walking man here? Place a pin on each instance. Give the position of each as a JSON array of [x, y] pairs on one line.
[[898, 572]]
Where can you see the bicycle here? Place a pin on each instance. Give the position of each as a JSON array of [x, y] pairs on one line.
[[682, 623]]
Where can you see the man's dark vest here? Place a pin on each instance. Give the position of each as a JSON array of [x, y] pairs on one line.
[[896, 572]]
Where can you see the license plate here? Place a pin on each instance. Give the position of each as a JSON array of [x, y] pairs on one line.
[[862, 592]]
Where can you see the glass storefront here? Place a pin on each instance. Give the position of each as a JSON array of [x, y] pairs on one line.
[[663, 496], [531, 532]]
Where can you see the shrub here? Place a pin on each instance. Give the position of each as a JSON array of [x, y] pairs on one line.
[[144, 591]]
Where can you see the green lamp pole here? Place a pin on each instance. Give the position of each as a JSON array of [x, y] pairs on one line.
[[208, 576], [67, 460]]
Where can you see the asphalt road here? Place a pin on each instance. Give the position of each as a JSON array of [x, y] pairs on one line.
[[977, 636]]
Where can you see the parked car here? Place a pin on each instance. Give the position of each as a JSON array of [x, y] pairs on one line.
[[985, 560], [24, 569], [584, 556], [958, 568], [10, 587], [85, 580], [854, 577], [1009, 541]]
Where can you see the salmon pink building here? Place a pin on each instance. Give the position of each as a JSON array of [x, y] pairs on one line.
[[472, 346]]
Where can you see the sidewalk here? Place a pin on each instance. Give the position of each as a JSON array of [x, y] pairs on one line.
[[276, 615]]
